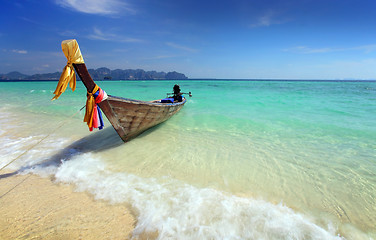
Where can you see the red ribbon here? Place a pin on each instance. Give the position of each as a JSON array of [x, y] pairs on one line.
[[96, 117]]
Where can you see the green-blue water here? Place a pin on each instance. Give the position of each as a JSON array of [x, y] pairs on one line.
[[236, 157]]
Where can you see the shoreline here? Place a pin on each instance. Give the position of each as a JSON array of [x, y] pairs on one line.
[[207, 79], [33, 207]]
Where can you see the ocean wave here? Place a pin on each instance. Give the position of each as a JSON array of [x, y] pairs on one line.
[[176, 210]]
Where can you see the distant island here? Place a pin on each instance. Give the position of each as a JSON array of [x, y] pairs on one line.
[[101, 74]]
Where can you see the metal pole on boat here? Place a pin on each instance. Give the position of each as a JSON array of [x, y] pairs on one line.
[[189, 93]]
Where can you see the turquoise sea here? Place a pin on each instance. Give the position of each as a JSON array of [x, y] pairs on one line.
[[241, 160]]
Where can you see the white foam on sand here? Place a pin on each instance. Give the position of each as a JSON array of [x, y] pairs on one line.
[[180, 211]]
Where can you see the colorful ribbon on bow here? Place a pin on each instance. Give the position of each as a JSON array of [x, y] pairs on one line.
[[93, 115]]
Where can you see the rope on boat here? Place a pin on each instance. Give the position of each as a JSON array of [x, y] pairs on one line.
[[27, 150]]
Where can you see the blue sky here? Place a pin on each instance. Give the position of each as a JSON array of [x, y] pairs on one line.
[[250, 39]]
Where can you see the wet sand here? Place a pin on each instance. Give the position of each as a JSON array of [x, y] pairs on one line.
[[32, 207]]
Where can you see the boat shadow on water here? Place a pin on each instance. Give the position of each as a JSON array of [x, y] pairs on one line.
[[94, 142]]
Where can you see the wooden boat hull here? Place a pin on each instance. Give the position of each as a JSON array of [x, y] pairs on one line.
[[131, 117]]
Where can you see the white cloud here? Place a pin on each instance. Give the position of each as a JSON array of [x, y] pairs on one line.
[[29, 20], [98, 34], [19, 51], [42, 68], [366, 48], [100, 7], [160, 57], [120, 50], [307, 50], [181, 47], [68, 33], [269, 18]]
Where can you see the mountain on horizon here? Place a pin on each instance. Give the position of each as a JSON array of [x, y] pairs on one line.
[[102, 73]]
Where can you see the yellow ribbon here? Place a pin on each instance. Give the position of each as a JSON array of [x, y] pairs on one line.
[[90, 104], [73, 54]]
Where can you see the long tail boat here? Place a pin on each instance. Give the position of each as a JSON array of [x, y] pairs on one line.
[[129, 117]]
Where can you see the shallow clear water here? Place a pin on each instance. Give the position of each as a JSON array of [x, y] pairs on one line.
[[241, 160]]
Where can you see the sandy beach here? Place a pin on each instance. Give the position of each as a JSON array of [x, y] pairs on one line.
[[37, 208]]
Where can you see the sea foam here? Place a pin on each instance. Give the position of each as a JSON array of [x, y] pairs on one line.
[[176, 210]]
